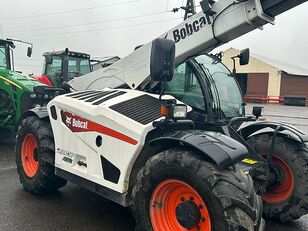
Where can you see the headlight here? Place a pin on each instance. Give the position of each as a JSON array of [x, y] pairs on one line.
[[174, 111], [179, 111]]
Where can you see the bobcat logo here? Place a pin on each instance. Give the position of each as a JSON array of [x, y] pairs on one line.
[[68, 120]]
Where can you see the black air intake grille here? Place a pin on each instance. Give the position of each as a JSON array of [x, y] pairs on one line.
[[143, 109], [95, 97]]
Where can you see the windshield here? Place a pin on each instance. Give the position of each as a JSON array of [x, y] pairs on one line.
[[3, 57], [78, 66], [224, 88]]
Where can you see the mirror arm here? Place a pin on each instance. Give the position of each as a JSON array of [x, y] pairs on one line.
[[234, 68], [164, 84]]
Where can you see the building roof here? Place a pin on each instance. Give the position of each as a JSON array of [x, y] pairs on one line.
[[283, 66], [289, 68]]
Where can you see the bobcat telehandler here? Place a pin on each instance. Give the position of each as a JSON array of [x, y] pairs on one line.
[[170, 143]]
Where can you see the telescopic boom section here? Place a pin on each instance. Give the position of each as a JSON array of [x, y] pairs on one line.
[[276, 7], [199, 33]]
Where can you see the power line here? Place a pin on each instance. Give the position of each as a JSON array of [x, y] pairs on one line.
[[70, 11], [106, 28], [86, 24]]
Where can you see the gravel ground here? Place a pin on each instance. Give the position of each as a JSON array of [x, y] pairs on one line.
[[73, 208]]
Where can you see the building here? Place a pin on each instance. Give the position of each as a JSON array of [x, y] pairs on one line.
[[267, 79]]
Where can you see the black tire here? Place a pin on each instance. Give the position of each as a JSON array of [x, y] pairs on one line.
[[228, 195], [44, 179], [295, 155]]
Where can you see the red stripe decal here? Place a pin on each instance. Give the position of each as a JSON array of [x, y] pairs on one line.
[[78, 124]]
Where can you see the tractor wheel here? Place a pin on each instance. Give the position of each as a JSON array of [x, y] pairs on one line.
[[286, 198], [177, 190], [35, 156]]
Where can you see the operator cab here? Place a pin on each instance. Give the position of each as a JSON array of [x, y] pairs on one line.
[[5, 51], [206, 85], [62, 66]]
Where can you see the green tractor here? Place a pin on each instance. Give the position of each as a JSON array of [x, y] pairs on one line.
[[17, 92]]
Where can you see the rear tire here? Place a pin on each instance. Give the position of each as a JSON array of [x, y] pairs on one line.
[[35, 156], [287, 200], [228, 196]]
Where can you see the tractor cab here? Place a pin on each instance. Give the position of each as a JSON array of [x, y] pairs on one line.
[[6, 52], [60, 66]]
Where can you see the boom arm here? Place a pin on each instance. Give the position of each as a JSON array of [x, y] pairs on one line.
[[199, 33]]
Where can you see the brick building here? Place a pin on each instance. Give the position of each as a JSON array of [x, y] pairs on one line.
[[264, 77]]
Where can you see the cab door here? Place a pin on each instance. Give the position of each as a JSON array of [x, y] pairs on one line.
[[187, 87]]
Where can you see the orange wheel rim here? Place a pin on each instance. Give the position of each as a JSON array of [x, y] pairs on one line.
[[29, 158], [282, 191], [177, 206]]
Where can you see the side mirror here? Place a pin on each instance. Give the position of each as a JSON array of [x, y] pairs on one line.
[[257, 111], [29, 51], [244, 57], [162, 59]]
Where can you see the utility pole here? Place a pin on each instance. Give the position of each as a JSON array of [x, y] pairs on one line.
[[190, 9]]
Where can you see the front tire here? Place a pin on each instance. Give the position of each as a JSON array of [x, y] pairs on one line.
[[286, 200], [177, 190], [35, 157]]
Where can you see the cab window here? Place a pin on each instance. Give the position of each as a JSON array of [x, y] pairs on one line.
[[3, 57], [185, 87]]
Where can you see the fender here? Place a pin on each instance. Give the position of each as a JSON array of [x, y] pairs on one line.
[[40, 112], [216, 147], [43, 79], [278, 128]]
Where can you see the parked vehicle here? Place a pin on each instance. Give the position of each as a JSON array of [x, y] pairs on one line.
[[62, 66], [16, 90], [164, 134]]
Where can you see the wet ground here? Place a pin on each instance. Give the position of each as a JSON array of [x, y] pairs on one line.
[[73, 208]]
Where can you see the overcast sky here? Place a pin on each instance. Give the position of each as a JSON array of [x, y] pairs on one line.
[[104, 28]]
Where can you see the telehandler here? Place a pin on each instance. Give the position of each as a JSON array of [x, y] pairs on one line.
[[172, 143]]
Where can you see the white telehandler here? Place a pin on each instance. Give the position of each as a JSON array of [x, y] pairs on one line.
[[167, 141]]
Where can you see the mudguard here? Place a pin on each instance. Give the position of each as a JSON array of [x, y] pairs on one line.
[[40, 112], [274, 127], [217, 148]]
